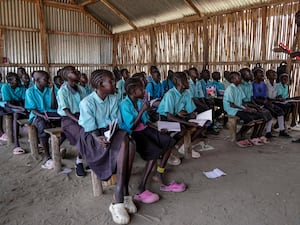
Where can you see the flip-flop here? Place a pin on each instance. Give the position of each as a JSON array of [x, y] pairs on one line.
[[243, 143], [18, 151], [296, 141], [146, 197], [4, 137], [49, 164], [173, 187]]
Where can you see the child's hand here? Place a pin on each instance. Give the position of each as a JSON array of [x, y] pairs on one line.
[[163, 131], [193, 124], [103, 142], [182, 113], [146, 106], [193, 115]]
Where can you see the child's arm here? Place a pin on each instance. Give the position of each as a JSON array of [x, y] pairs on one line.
[[173, 118], [36, 112], [70, 115], [244, 108]]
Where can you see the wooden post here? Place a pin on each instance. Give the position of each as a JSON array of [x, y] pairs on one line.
[[153, 46], [187, 144], [232, 127], [115, 50], [9, 128], [1, 45], [33, 141], [43, 33], [205, 43], [97, 185], [264, 32]]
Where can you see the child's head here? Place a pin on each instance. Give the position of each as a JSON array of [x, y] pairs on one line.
[[258, 73], [125, 74], [193, 73], [205, 74], [226, 75], [271, 75], [42, 78], [103, 81], [153, 69], [216, 76], [21, 71], [180, 81], [142, 77], [246, 74], [83, 81], [13, 79], [284, 78], [58, 81], [134, 87], [156, 76], [25, 79], [235, 77]]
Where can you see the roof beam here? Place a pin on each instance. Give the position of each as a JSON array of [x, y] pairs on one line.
[[118, 13], [192, 5], [88, 2]]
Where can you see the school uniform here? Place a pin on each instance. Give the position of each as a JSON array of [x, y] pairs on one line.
[[283, 92], [155, 89], [121, 89], [226, 84], [272, 89], [69, 98], [150, 143], [95, 115], [205, 84], [219, 86], [14, 96], [195, 89], [167, 84], [41, 101]]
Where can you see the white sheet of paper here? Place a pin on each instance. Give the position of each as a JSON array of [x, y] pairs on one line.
[[170, 126], [214, 173], [203, 117]]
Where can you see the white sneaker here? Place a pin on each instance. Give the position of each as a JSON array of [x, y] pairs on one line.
[[195, 155], [119, 213], [181, 149], [129, 204], [173, 160]]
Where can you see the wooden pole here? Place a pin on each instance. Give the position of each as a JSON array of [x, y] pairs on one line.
[[264, 32], [153, 46], [205, 43], [1, 45], [43, 33]]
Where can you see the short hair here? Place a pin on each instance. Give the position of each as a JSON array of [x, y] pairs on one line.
[[178, 77], [39, 73], [132, 83], [97, 77], [11, 75], [153, 69], [65, 71], [243, 71], [232, 75], [215, 73], [124, 70], [268, 73]]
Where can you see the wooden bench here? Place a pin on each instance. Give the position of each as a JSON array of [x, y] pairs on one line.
[[33, 138], [232, 124], [9, 128], [187, 140], [98, 184]]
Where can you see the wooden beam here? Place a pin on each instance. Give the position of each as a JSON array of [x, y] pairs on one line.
[[264, 33], [1, 45], [79, 34], [192, 5], [62, 5], [115, 50], [88, 2], [118, 13], [153, 46], [44, 40], [205, 43], [19, 28]]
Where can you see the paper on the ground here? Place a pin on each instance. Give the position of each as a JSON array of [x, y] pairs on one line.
[[112, 128], [203, 117], [170, 126], [214, 173]]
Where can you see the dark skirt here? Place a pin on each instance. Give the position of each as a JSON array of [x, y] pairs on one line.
[[248, 117], [151, 144], [71, 129], [102, 161], [5, 111]]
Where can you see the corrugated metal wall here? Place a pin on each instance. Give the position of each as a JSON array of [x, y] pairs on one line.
[[72, 39]]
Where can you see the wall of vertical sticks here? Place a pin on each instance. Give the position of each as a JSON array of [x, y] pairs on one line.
[[228, 41]]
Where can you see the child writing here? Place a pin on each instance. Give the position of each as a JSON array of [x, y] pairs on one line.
[[13, 94], [150, 143], [106, 157], [68, 99], [41, 101]]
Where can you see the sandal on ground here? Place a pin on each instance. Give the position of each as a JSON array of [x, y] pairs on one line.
[[296, 140], [18, 151], [264, 140], [174, 160], [4, 137], [256, 141], [173, 187], [119, 213], [49, 164], [129, 204], [195, 155], [243, 143], [146, 197]]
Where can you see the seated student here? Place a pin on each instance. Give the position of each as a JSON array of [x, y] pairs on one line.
[[150, 143], [246, 86], [283, 95], [120, 84], [84, 82], [68, 99], [233, 105], [167, 84], [25, 81], [13, 94], [216, 76], [41, 101], [106, 157], [58, 82], [226, 82], [260, 96], [3, 136], [195, 90], [177, 106]]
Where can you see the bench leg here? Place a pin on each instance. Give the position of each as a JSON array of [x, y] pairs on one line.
[[187, 145], [9, 128], [33, 142], [232, 128], [97, 185], [56, 156]]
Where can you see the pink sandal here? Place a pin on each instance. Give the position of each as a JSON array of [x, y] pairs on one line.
[[264, 139], [243, 143], [256, 141], [4, 137], [173, 187], [146, 197]]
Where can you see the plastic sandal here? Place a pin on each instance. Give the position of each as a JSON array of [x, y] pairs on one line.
[[264, 140], [129, 205], [243, 143], [119, 213], [174, 160], [256, 141], [146, 197], [195, 155], [18, 151], [4, 137], [173, 187], [49, 164]]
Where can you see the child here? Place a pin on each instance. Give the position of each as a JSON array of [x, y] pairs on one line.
[[260, 97], [154, 87], [41, 101], [150, 143], [167, 84], [216, 76], [25, 80], [3, 136], [106, 157], [177, 106], [68, 98], [120, 84], [233, 105], [226, 82], [58, 82], [13, 93], [84, 82]]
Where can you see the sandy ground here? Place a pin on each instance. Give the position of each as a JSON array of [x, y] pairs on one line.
[[262, 186]]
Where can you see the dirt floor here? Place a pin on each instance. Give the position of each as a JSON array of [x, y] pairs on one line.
[[262, 186]]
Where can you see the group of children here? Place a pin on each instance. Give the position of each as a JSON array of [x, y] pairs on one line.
[[86, 111]]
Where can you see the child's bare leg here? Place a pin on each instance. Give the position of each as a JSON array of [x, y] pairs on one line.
[[16, 129], [45, 144], [261, 129], [241, 134], [294, 114], [131, 153], [146, 173], [161, 168]]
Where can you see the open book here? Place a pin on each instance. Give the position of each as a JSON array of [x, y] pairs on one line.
[[170, 126], [112, 128], [202, 118]]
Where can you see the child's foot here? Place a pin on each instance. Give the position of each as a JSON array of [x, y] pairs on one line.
[[269, 135], [174, 160], [264, 140], [119, 213], [282, 133], [49, 164], [129, 204], [195, 155], [79, 170], [18, 151], [146, 197], [256, 141]]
